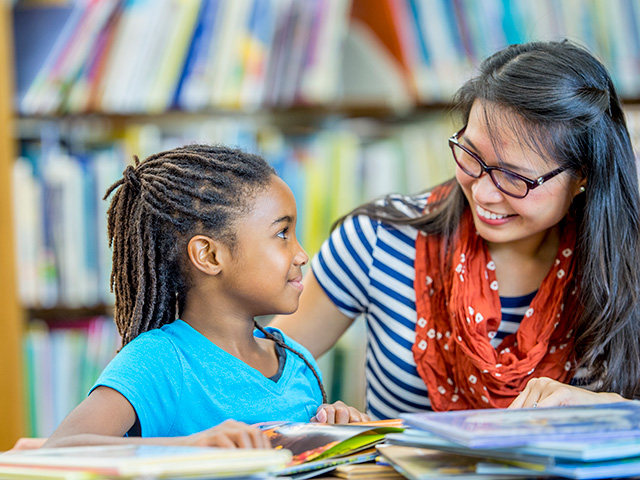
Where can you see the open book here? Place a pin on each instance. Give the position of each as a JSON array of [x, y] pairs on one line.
[[135, 461], [318, 446]]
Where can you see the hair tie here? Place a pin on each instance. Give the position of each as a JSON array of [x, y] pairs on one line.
[[131, 178]]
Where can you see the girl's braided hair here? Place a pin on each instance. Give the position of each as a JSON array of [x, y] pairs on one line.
[[158, 206]]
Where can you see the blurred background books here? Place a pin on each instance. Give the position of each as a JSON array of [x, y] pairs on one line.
[[347, 99]]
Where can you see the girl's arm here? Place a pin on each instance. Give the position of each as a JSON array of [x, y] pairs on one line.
[[105, 416], [317, 324]]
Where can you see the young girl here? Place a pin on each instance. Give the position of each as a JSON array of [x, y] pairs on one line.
[[203, 241], [516, 283]]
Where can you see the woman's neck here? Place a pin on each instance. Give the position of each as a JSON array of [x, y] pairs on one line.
[[522, 266]]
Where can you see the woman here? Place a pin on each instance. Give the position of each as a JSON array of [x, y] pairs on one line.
[[514, 284]]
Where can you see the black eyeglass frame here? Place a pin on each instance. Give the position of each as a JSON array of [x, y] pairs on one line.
[[531, 184]]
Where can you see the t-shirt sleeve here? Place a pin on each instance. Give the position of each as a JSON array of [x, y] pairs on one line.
[[148, 373], [343, 263]]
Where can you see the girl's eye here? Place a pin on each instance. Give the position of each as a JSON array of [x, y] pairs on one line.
[[283, 233]]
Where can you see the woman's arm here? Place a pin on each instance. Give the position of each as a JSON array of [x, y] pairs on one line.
[[105, 416], [317, 324]]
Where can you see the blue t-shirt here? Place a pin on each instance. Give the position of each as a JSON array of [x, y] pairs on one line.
[[179, 383]]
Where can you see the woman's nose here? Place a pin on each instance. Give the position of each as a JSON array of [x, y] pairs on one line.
[[485, 191]]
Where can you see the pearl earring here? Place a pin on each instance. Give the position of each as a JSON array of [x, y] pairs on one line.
[[582, 189]]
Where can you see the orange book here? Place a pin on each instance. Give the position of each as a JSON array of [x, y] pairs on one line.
[[385, 19]]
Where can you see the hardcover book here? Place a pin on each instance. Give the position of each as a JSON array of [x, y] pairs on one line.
[[507, 428]]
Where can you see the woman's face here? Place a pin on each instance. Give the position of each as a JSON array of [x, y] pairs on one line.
[[500, 218]]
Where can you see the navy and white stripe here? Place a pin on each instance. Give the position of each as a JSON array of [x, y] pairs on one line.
[[366, 267]]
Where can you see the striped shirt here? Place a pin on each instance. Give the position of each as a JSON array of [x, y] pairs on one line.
[[366, 268]]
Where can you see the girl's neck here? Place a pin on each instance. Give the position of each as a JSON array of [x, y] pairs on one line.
[[232, 333]]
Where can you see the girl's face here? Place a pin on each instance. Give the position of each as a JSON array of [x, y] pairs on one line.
[[265, 274], [500, 218]]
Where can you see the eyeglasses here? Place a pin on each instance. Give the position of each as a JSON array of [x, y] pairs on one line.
[[511, 183]]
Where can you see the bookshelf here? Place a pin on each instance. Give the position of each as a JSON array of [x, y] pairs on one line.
[[368, 109]]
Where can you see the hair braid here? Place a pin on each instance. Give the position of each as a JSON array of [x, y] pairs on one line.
[[157, 206], [279, 342]]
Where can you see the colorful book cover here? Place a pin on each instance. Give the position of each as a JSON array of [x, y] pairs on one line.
[[506, 428], [318, 441], [256, 49]]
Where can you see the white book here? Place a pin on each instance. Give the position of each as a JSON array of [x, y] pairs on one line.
[[27, 218], [370, 75], [65, 180], [108, 166]]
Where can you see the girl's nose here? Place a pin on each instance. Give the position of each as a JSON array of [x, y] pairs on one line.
[[301, 257]]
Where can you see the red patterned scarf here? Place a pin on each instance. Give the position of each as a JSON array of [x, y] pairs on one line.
[[458, 313]]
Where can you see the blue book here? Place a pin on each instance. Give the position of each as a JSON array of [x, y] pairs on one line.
[[36, 54], [492, 428], [197, 57]]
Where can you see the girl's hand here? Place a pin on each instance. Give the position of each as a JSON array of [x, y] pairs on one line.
[[339, 412], [545, 392], [229, 434]]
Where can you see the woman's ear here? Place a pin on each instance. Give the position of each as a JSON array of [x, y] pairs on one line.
[[580, 187], [206, 254]]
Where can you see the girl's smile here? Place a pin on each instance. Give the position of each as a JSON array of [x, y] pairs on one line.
[[297, 283]]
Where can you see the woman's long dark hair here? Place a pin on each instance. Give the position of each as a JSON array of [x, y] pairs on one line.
[[559, 100]]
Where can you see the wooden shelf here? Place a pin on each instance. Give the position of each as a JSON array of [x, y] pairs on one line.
[[11, 322], [67, 314]]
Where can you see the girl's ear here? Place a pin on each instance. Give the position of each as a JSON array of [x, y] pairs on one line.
[[206, 254]]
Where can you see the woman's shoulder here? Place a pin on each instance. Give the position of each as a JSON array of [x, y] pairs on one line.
[[404, 206], [411, 206]]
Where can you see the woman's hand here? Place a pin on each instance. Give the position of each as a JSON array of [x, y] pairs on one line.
[[545, 392], [339, 412], [229, 434]]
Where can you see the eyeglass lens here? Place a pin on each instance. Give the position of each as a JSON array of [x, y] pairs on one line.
[[509, 184]]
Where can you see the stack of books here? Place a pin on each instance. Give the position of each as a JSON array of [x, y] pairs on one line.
[[300, 451], [582, 442]]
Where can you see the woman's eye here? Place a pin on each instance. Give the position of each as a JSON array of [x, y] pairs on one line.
[[283, 233]]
